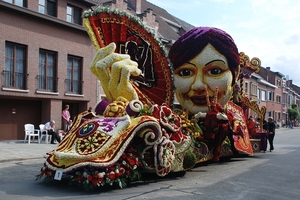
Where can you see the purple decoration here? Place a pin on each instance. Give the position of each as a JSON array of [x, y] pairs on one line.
[[108, 124], [100, 108], [134, 108]]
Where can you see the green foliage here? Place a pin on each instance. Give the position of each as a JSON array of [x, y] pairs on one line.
[[189, 160], [293, 112]]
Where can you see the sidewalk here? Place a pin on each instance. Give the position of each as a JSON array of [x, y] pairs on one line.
[[18, 150]]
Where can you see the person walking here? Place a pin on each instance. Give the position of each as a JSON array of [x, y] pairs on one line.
[[271, 132]]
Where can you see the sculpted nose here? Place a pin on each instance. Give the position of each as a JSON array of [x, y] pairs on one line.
[[198, 84]]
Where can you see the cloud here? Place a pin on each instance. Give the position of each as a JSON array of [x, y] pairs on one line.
[[267, 29]]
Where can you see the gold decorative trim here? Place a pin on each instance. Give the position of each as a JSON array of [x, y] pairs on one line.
[[254, 106], [253, 64], [89, 30]]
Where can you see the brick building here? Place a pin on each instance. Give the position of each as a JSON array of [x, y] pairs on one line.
[[45, 55]]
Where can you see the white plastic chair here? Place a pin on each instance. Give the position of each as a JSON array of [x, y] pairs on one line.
[[31, 132], [61, 134], [44, 133]]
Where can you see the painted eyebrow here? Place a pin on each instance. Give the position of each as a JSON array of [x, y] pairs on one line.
[[215, 61], [191, 63], [208, 62]]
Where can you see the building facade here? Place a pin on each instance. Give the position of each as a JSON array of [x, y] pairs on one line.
[[44, 63], [46, 53]]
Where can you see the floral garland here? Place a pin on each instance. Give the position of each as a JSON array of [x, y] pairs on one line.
[[175, 128], [127, 169]]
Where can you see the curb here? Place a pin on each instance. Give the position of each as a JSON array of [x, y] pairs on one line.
[[19, 159]]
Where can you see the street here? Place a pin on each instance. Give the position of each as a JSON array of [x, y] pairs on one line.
[[271, 175]]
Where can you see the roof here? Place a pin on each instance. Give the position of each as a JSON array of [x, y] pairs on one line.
[[260, 79], [165, 19], [89, 2]]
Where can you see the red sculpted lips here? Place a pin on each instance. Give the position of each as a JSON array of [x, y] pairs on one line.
[[199, 100]]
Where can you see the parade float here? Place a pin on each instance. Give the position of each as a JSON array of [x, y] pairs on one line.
[[137, 129]]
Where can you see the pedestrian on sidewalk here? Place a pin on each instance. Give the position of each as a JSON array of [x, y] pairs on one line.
[[66, 118], [271, 132], [50, 127]]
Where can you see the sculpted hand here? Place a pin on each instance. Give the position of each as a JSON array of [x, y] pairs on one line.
[[114, 70]]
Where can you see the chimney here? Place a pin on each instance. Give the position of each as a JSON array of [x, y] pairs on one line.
[[268, 68], [138, 6]]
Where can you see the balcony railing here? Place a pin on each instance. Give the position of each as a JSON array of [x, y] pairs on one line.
[[47, 83], [73, 86], [14, 79]]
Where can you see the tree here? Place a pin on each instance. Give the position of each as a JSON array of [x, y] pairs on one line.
[[293, 112]]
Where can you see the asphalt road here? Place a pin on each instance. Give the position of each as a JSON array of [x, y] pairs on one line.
[[271, 175]]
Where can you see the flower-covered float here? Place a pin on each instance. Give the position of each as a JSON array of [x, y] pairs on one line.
[[137, 129]]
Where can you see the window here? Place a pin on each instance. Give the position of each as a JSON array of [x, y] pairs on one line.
[[47, 7], [269, 113], [290, 99], [73, 81], [246, 88], [263, 95], [253, 89], [278, 82], [284, 97], [47, 71], [74, 14], [278, 99], [258, 94], [16, 2], [15, 66], [270, 96]]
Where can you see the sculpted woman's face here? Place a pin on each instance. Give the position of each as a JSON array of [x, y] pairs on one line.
[[209, 69]]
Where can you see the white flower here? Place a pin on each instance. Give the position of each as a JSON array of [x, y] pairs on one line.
[[101, 174], [84, 174]]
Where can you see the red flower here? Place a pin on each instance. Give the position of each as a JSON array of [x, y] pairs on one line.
[[167, 118], [95, 182], [124, 156], [100, 180], [79, 178], [111, 169], [90, 178], [112, 175], [164, 152], [122, 170], [178, 137], [131, 162]]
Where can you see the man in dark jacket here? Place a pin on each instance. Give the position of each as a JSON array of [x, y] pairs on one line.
[[271, 132]]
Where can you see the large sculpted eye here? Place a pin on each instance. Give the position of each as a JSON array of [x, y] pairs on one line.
[[215, 71], [185, 72]]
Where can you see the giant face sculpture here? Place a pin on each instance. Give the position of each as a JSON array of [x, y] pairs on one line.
[[204, 59], [208, 70]]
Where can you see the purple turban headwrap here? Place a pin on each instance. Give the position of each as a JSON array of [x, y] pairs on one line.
[[191, 43]]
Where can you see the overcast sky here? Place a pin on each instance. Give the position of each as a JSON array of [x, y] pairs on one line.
[[267, 29]]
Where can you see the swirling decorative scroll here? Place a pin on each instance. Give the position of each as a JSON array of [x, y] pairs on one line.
[[252, 65], [253, 106]]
